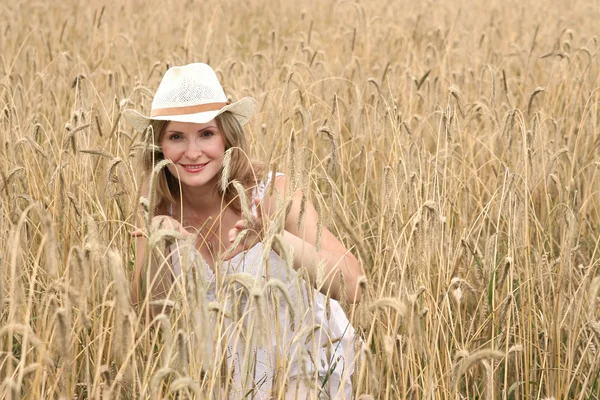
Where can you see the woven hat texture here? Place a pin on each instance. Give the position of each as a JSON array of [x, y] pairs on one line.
[[191, 93]]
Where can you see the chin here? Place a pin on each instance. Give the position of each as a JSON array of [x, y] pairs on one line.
[[197, 182]]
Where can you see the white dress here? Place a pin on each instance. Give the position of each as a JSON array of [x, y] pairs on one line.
[[270, 337]]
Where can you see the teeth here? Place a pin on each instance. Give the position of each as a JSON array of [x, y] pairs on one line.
[[194, 166]]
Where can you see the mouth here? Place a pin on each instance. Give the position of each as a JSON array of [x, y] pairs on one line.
[[194, 167]]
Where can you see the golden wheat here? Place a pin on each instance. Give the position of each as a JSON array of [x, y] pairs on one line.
[[452, 146]]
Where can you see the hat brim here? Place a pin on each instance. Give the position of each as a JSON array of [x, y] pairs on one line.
[[242, 109]]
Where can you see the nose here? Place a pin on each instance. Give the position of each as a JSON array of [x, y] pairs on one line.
[[194, 150]]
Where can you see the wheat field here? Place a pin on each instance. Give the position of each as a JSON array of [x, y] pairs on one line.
[[454, 147]]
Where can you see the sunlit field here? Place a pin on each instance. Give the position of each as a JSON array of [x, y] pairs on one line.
[[454, 147]]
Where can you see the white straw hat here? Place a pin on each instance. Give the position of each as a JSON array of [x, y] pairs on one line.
[[191, 93]]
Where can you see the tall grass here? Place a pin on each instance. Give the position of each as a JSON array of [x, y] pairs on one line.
[[454, 147]]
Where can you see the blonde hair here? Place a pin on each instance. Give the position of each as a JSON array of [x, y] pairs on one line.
[[241, 167]]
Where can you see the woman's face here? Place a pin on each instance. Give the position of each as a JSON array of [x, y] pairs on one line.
[[196, 150]]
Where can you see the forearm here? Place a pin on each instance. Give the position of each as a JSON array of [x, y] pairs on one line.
[[325, 268]]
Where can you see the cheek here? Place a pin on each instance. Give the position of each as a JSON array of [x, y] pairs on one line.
[[170, 151], [221, 155], [217, 149], [173, 170]]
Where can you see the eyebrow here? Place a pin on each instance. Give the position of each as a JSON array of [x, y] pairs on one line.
[[198, 131]]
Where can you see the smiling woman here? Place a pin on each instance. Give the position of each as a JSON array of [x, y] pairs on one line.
[[196, 150], [303, 350]]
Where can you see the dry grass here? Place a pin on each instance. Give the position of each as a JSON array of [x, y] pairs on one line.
[[455, 146]]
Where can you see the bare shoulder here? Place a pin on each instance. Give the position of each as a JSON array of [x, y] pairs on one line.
[[276, 187], [279, 182], [300, 212]]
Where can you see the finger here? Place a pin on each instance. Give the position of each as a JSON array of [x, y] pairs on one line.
[[241, 224], [236, 238], [184, 232], [168, 223], [233, 233], [158, 222], [136, 233]]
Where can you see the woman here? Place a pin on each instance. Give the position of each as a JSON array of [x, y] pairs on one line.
[[207, 190]]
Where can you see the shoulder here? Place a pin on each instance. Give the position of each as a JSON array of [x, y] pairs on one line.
[[275, 179], [272, 181], [271, 191]]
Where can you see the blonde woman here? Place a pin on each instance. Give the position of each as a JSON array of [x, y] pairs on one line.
[[193, 127]]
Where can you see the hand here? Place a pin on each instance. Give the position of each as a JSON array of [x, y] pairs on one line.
[[246, 233], [162, 222]]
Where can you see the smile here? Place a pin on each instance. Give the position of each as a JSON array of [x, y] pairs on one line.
[[193, 168]]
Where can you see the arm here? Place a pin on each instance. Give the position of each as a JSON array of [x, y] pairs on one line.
[[335, 259]]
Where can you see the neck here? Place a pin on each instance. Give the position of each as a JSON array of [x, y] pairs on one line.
[[200, 203]]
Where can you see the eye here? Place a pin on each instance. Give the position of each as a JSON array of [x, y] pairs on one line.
[[175, 136], [207, 133]]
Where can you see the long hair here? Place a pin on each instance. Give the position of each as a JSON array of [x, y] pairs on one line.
[[241, 167]]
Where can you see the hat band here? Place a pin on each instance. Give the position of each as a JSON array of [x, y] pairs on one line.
[[163, 112]]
